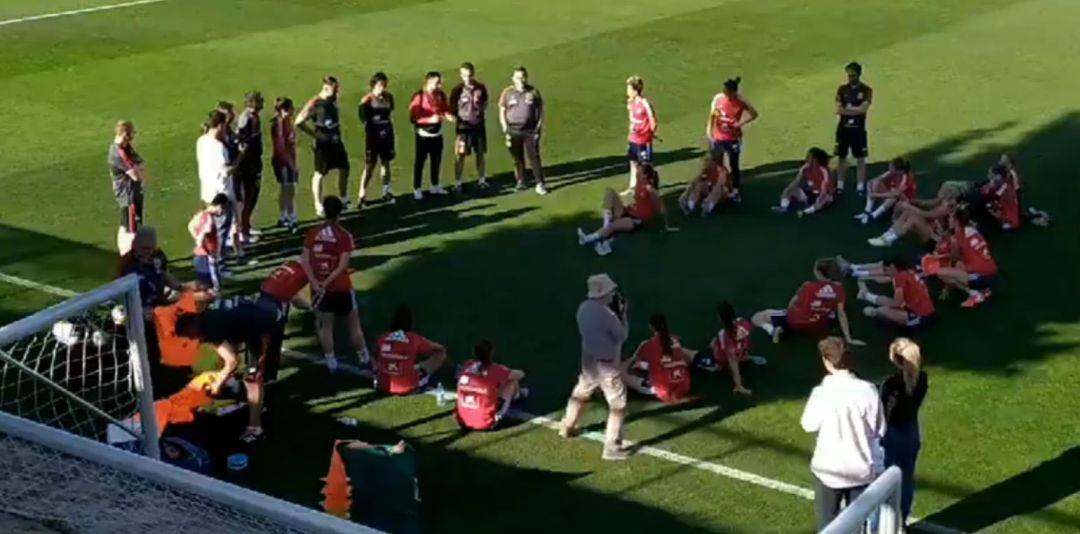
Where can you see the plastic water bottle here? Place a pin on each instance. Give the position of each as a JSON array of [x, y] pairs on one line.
[[440, 395]]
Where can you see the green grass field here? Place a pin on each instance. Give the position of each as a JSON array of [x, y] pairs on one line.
[[955, 84]]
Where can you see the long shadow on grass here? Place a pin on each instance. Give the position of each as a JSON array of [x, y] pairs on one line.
[[451, 481]]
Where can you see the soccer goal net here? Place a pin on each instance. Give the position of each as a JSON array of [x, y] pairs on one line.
[[78, 436]]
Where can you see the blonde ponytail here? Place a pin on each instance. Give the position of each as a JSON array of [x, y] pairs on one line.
[[907, 355]]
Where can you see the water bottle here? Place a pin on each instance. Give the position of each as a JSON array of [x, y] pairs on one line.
[[440, 395]]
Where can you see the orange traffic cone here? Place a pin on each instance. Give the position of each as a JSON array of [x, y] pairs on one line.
[[336, 488]]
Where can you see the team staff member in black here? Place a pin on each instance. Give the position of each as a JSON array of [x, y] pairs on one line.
[[470, 101], [428, 110], [521, 112], [853, 100], [375, 109], [126, 169], [249, 162], [325, 127]]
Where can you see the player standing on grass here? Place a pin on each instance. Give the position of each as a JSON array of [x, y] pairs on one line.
[[126, 169], [325, 127], [249, 162], [853, 100], [470, 101], [813, 307], [521, 114], [283, 134], [724, 129], [325, 261], [642, 128], [428, 110], [375, 110]]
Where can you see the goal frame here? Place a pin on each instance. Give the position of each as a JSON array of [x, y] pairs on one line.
[[126, 291]]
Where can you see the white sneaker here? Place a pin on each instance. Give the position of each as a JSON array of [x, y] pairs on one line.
[[877, 242], [345, 204], [418, 194], [319, 212], [331, 364], [437, 190], [615, 454], [869, 311], [603, 248], [757, 360], [582, 239], [540, 190]]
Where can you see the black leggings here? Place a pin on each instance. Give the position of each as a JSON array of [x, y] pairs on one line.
[[427, 147], [732, 149]]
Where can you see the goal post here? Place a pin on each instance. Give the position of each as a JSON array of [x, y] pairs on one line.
[[74, 484]]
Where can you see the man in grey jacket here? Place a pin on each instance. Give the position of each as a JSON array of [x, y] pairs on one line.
[[602, 322]]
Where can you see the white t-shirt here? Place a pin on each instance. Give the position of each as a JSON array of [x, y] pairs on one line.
[[213, 175], [847, 415]]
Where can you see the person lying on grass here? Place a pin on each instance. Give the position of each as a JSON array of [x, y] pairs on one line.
[[813, 188], [813, 308], [910, 305], [661, 366], [711, 187], [405, 361], [888, 189], [647, 206], [486, 389]]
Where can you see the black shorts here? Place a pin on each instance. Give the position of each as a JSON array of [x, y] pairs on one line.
[[641, 154], [286, 175], [249, 172], [339, 303], [330, 156], [717, 149], [379, 148], [522, 143], [811, 196], [851, 140], [471, 140], [131, 217]]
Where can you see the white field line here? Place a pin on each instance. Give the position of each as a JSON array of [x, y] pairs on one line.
[[547, 422], [47, 16]]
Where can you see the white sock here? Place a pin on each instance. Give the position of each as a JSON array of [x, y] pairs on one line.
[[810, 210], [785, 203], [871, 312], [861, 187], [592, 238], [708, 207], [607, 217], [691, 205], [839, 184], [879, 211], [873, 299], [860, 273], [889, 236], [768, 328], [869, 205], [974, 293]]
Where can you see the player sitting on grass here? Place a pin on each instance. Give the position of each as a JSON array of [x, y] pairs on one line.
[[967, 265], [229, 325], [660, 366], [910, 305], [812, 189], [1001, 198], [647, 205], [888, 189], [927, 223], [405, 361], [203, 229], [1033, 215], [813, 307], [486, 389], [732, 345], [711, 187]]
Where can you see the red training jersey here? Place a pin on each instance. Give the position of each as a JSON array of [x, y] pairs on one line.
[[325, 245], [815, 304], [733, 344], [428, 108], [207, 241], [904, 182], [974, 252], [916, 296], [1004, 202], [668, 373], [646, 202], [726, 114], [478, 394], [285, 282], [818, 179], [642, 120], [283, 134], [395, 362]]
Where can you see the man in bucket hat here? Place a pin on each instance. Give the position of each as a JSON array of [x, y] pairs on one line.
[[602, 322]]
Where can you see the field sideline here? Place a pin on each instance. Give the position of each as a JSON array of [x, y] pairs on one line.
[[955, 84]]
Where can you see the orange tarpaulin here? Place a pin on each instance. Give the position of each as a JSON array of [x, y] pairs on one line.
[[176, 351], [180, 407]]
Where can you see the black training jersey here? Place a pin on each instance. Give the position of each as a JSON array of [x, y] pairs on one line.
[[375, 113], [327, 120], [854, 95]]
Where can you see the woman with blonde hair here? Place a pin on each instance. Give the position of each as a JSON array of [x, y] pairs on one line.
[[902, 395]]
